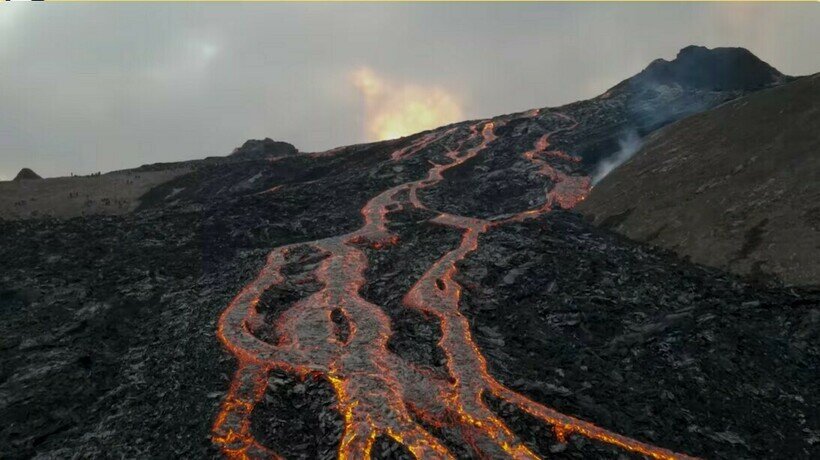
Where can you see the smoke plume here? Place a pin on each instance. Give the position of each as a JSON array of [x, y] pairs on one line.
[[629, 143]]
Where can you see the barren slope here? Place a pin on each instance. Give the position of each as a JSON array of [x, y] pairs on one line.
[[737, 187], [64, 197]]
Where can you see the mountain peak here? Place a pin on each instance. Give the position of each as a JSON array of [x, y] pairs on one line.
[[715, 69], [26, 174]]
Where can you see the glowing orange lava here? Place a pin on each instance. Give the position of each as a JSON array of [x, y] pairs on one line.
[[394, 109], [376, 389]]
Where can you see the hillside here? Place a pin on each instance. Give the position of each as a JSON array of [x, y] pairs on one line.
[[114, 193], [429, 296], [735, 188]]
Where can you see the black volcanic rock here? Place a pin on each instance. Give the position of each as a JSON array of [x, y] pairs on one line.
[[718, 69], [26, 174], [265, 148], [632, 109], [592, 320], [696, 80]]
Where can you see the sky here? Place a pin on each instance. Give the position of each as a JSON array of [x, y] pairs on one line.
[[99, 87]]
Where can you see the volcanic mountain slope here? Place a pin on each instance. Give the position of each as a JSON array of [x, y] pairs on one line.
[[736, 187], [418, 297]]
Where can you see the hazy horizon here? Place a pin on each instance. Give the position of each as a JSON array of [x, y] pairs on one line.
[[102, 87]]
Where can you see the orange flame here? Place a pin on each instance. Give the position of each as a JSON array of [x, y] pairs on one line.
[[394, 110]]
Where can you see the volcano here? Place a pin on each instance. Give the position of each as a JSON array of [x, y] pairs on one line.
[[426, 297]]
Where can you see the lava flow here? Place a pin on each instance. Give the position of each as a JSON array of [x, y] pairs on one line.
[[378, 393]]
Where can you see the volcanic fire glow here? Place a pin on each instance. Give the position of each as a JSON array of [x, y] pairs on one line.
[[394, 110], [376, 390]]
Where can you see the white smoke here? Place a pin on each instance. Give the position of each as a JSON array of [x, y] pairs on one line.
[[629, 143]]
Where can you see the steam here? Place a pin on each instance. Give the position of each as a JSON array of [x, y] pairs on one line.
[[629, 143], [393, 110]]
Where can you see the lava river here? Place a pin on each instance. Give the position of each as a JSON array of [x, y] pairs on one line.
[[378, 393]]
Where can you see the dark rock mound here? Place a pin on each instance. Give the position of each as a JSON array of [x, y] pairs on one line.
[[26, 174], [258, 149], [718, 69], [697, 80]]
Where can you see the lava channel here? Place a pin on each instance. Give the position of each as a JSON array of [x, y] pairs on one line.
[[379, 393]]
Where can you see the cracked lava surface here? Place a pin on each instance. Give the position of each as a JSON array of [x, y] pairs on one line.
[[378, 393]]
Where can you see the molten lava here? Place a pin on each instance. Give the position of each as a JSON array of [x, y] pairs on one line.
[[376, 390]]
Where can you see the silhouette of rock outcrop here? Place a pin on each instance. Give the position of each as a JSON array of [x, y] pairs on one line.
[[26, 174], [717, 69], [255, 149]]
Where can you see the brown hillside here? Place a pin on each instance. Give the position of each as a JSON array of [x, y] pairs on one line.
[[737, 187]]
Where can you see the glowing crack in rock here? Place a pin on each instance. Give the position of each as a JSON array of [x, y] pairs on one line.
[[376, 390]]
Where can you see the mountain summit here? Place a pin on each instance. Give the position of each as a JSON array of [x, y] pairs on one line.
[[26, 174], [718, 69]]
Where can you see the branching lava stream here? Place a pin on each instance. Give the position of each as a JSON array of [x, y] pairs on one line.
[[378, 392]]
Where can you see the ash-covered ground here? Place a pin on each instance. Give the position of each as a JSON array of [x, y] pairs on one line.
[[108, 344]]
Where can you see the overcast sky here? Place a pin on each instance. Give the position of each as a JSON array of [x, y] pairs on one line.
[[98, 87]]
